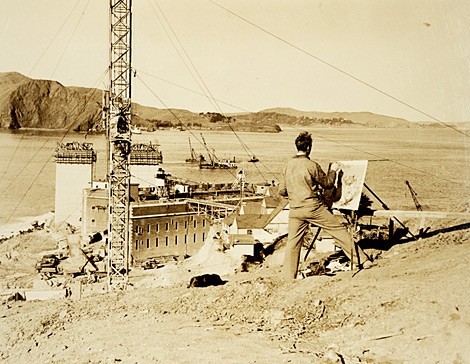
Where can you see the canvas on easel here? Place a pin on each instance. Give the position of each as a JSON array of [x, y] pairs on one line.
[[354, 175]]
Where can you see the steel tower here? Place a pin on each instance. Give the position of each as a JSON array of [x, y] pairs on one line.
[[119, 142]]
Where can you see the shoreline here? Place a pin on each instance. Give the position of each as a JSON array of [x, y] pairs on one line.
[[54, 132]]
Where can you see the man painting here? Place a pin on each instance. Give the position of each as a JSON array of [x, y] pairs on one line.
[[302, 183]]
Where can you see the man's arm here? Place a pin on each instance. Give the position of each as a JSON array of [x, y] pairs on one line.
[[326, 180], [282, 186]]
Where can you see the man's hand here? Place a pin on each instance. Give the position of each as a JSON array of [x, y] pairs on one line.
[[339, 175], [334, 166]]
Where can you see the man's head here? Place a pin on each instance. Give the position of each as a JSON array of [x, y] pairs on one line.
[[304, 142]]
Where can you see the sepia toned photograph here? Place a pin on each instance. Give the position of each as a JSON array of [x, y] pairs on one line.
[[238, 181]]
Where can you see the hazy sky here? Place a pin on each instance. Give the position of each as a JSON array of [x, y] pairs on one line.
[[418, 51]]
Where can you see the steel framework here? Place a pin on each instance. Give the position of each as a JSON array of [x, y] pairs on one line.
[[119, 142]]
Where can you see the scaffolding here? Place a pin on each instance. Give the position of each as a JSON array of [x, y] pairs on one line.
[[146, 154], [215, 211], [74, 153]]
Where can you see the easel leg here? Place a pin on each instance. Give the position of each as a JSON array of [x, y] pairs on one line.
[[353, 247], [312, 243]]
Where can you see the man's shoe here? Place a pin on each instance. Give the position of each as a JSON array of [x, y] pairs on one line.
[[368, 264]]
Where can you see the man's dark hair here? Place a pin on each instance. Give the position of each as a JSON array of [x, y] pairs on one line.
[[303, 142]]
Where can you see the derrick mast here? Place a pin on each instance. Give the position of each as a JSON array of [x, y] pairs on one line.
[[119, 142]]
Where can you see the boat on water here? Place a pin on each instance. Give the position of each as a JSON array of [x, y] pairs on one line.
[[222, 164], [214, 162], [135, 129], [254, 159], [193, 156]]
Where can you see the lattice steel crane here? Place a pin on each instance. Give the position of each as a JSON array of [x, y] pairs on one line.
[[119, 142]]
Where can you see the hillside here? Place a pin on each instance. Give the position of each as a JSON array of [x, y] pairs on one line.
[[46, 104], [9, 81], [363, 118], [276, 118], [410, 308]]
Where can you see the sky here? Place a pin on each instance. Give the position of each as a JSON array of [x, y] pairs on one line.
[[408, 59]]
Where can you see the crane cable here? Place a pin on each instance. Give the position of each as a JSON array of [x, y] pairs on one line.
[[194, 72], [381, 158], [202, 84], [339, 69], [201, 94], [47, 140], [190, 131], [34, 66], [188, 89], [54, 37], [176, 117], [70, 38]]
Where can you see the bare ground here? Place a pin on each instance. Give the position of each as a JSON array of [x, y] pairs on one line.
[[412, 307]]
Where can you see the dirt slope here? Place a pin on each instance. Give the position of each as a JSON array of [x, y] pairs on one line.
[[411, 308]]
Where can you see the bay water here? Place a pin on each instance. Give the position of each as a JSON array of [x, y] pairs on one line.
[[434, 160]]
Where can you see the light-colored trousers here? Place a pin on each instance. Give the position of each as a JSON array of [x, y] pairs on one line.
[[299, 221]]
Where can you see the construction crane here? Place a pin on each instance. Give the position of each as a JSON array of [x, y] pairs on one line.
[[211, 155], [119, 142], [414, 196]]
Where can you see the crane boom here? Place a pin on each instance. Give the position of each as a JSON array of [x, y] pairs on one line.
[[414, 197], [119, 142]]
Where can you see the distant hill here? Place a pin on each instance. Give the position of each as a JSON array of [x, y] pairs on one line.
[[45, 104], [267, 117], [363, 118], [30, 103]]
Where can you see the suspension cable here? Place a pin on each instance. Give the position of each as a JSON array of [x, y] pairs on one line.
[[54, 37], [382, 158], [190, 90], [70, 39], [369, 85]]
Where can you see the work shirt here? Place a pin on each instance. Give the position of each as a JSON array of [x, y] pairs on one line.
[[302, 182]]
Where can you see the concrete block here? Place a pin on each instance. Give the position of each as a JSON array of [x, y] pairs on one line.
[[45, 294]]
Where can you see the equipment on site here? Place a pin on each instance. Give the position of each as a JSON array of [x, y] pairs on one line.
[[119, 142], [214, 162], [193, 156], [49, 263], [385, 207], [414, 197]]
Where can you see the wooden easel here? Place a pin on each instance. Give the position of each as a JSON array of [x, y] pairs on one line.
[[353, 224]]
